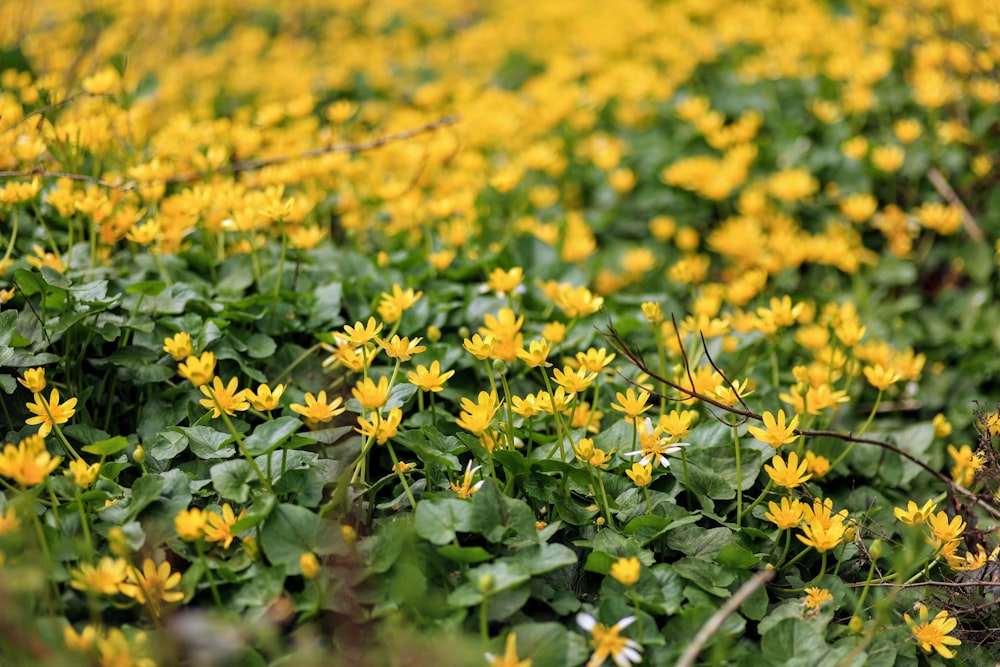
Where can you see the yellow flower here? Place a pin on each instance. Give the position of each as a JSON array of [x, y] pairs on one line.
[[48, 413], [525, 407], [190, 523], [593, 359], [788, 475], [217, 528], [641, 475], [223, 398], [151, 586], [822, 538], [33, 380], [536, 354], [944, 528], [81, 473], [477, 417], [467, 487], [431, 379], [587, 453], [942, 428], [913, 515], [652, 311], [881, 377], [9, 522], [677, 424], [178, 346], [104, 579], [114, 649], [608, 643], [480, 347], [198, 370], [501, 281], [379, 427], [967, 464], [317, 410], [265, 398], [626, 570], [630, 403], [29, 463], [370, 395], [79, 642], [784, 516], [509, 658], [933, 635], [577, 301], [815, 597], [574, 381], [402, 349], [775, 432], [309, 565], [359, 334]]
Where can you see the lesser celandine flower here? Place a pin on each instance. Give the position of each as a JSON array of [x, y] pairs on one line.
[[359, 334], [380, 427], [786, 515], [79, 642], [467, 487], [317, 409], [309, 565], [631, 403], [264, 398], [594, 359], [775, 432], [914, 515], [223, 398], [51, 412], [942, 427], [608, 643], [509, 658], [178, 346], [104, 578], [29, 463], [480, 347], [477, 417], [152, 585], [822, 538], [536, 353], [33, 380], [502, 281], [403, 348], [933, 635], [217, 528], [429, 379], [198, 370], [81, 473], [788, 475], [945, 529], [816, 597], [626, 570], [641, 474], [190, 524], [574, 381], [9, 521]]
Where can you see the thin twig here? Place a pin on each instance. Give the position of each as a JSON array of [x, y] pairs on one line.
[[719, 617], [239, 167], [616, 341], [944, 188]]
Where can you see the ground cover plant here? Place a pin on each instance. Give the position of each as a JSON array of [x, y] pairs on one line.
[[522, 333]]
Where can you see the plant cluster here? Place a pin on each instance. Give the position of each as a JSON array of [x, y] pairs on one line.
[[561, 333]]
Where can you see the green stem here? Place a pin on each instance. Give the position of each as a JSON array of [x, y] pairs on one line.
[[739, 480], [797, 558], [399, 473], [264, 480], [847, 450], [763, 494], [507, 411], [208, 574], [561, 432], [604, 499]]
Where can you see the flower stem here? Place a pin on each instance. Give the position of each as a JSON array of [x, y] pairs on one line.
[[399, 473]]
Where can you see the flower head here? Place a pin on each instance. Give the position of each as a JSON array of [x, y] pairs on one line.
[[631, 403], [317, 409], [151, 585], [509, 658], [626, 570], [81, 473], [178, 346], [775, 432], [198, 370], [359, 334], [403, 348], [372, 395], [264, 398], [224, 398], [29, 463], [219, 525], [815, 597], [190, 523], [103, 578], [786, 515], [608, 643], [467, 487], [913, 515], [51, 412], [788, 475], [429, 379], [33, 380], [933, 635], [477, 417]]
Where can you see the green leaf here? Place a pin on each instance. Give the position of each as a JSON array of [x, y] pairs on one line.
[[260, 346], [146, 287], [141, 364], [8, 320], [269, 435], [793, 638], [291, 531], [498, 517], [145, 491], [708, 576], [325, 312], [107, 447], [461, 554], [438, 519], [231, 479], [544, 558], [736, 556], [206, 442]]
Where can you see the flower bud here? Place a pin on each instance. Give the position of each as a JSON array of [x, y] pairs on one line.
[[433, 333], [139, 455], [876, 549], [856, 624], [499, 367], [487, 582]]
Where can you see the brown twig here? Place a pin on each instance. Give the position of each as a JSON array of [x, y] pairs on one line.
[[944, 188], [616, 341], [247, 165]]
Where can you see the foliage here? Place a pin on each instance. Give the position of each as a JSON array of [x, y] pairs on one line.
[[554, 332]]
